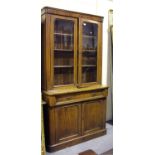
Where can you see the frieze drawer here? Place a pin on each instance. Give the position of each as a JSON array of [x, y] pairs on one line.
[[77, 97]]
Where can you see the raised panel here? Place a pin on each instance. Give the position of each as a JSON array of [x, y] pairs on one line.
[[67, 121], [93, 113]]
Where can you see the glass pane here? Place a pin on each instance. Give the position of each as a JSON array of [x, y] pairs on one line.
[[89, 52], [63, 52]]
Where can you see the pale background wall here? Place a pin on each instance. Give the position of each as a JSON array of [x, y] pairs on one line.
[[97, 7]]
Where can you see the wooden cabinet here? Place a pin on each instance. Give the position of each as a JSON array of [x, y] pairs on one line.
[[75, 107]]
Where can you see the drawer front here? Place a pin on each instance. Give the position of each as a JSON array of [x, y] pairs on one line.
[[66, 98]]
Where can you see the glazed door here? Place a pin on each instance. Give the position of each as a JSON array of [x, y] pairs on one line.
[[64, 51], [89, 71]]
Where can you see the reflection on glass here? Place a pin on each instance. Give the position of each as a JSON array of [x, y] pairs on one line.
[[63, 53], [89, 53]]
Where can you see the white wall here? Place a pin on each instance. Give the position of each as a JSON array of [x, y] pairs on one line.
[[97, 7]]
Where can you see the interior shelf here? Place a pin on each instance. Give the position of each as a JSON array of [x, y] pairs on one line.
[[88, 65], [89, 36], [63, 34], [63, 66], [89, 50], [68, 50]]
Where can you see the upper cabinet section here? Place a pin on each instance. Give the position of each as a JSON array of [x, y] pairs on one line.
[[71, 49]]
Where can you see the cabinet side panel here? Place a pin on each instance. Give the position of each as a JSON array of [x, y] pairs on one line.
[[49, 122], [43, 75], [46, 50], [99, 57]]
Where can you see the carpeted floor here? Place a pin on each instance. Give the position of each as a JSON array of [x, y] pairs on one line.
[[110, 152]]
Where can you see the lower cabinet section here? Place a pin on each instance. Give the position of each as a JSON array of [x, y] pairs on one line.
[[70, 124]]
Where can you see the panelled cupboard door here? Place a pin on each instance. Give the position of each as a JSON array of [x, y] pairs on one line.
[[63, 51], [93, 116], [67, 122], [90, 52]]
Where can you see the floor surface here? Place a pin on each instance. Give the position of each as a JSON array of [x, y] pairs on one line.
[[110, 152], [102, 144]]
